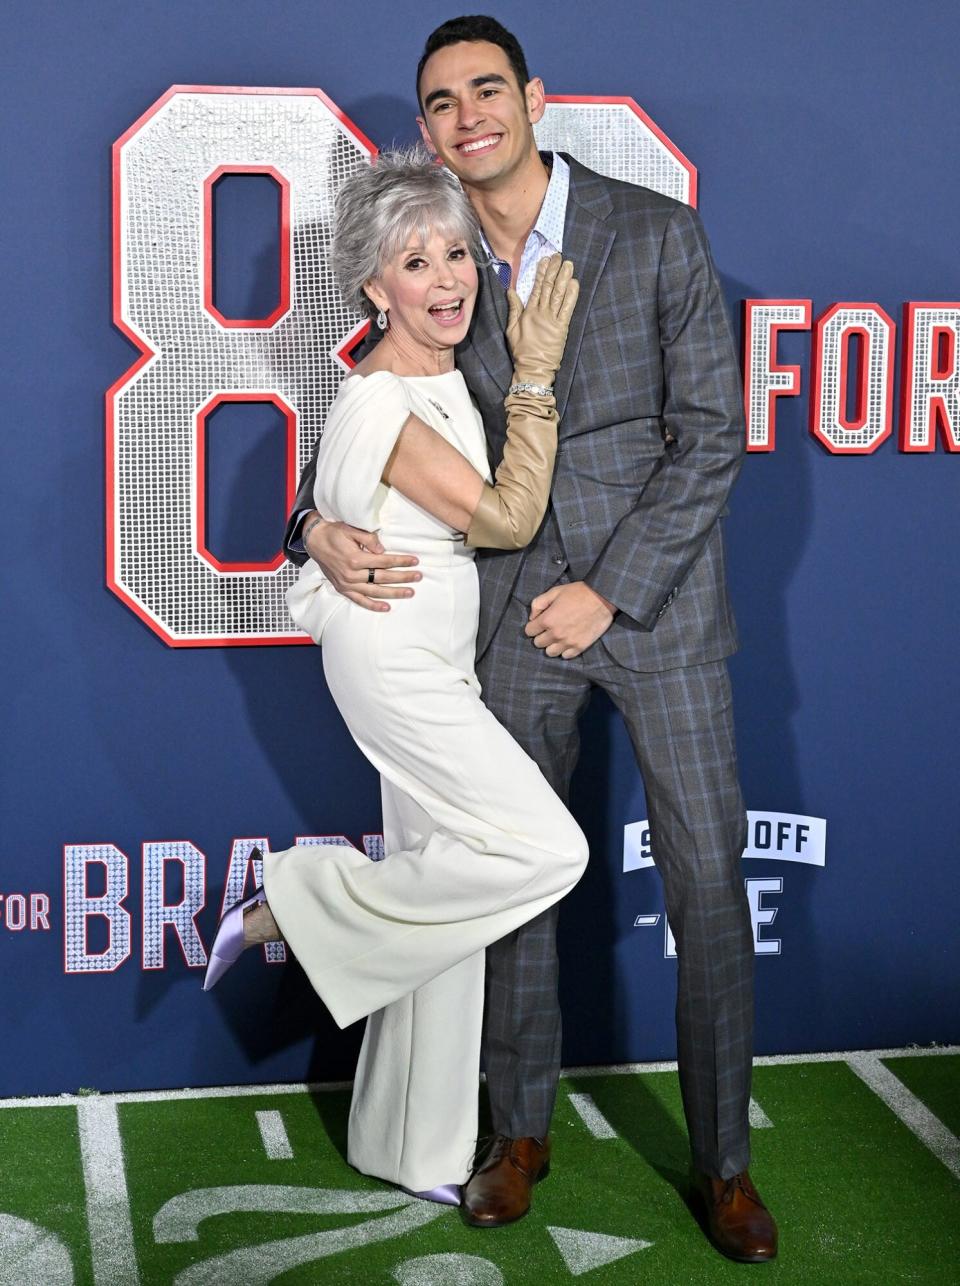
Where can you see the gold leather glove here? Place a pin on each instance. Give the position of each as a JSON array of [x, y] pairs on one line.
[[537, 334], [509, 513]]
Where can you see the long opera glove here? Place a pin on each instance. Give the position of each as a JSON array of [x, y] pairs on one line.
[[508, 513]]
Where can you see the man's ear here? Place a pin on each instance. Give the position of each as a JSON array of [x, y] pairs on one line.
[[425, 135], [536, 100]]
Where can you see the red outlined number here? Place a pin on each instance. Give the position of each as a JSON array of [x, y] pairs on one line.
[[199, 489], [615, 136], [192, 355], [285, 231]]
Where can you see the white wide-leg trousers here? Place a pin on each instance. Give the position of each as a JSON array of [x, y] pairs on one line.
[[477, 844]]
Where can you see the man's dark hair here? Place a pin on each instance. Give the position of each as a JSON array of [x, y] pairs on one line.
[[474, 28]]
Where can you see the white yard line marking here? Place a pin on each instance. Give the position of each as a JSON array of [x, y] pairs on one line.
[[929, 1129], [764, 1060], [108, 1202], [276, 1144], [311, 1087], [592, 1117], [758, 1117], [167, 1096]]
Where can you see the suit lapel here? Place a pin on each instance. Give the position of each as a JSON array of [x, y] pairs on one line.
[[486, 343], [587, 241]]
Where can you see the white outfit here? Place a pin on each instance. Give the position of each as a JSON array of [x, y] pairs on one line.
[[477, 842]]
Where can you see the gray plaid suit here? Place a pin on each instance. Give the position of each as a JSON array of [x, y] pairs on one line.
[[651, 440]]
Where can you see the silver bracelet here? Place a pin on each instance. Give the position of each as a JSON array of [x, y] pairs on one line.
[[524, 386]]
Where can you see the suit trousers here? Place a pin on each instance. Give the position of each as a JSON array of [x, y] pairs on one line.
[[681, 726]]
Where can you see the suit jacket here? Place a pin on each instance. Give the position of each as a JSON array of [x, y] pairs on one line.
[[651, 431]]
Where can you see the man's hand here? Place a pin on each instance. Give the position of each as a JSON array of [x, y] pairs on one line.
[[346, 555], [568, 619]]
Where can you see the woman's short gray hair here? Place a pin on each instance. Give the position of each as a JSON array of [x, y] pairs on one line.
[[381, 207]]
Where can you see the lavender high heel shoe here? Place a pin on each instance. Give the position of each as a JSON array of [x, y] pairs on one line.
[[228, 944], [447, 1194]]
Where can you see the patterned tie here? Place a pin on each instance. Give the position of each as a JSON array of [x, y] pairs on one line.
[[503, 272]]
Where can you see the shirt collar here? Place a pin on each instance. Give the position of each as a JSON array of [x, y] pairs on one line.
[[553, 212]]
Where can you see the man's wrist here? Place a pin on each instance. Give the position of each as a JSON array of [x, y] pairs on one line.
[[611, 607], [311, 521]]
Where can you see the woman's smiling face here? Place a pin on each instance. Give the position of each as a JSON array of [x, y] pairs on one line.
[[428, 290]]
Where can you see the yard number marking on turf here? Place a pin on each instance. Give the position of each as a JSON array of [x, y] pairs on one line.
[[592, 1117], [929, 1129], [108, 1205], [29, 1253], [276, 1144], [441, 1270], [758, 1117], [180, 1218], [108, 1202], [583, 1251]]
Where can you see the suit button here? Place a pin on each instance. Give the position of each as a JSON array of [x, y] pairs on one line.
[[558, 559]]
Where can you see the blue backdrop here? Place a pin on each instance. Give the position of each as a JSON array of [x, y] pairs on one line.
[[825, 140]]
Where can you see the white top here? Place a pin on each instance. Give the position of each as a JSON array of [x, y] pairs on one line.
[[358, 437]]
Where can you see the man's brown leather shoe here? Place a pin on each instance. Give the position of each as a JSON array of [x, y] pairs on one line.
[[740, 1225], [498, 1191]]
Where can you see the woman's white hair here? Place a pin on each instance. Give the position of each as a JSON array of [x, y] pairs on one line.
[[380, 209]]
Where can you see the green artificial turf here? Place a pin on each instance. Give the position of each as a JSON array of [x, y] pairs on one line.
[[858, 1197], [41, 1183], [936, 1082]]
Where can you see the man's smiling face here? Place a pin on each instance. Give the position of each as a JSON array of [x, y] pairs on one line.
[[476, 117]]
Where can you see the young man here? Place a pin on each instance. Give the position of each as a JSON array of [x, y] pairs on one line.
[[623, 589]]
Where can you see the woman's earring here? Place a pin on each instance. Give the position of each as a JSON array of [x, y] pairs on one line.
[[382, 320]]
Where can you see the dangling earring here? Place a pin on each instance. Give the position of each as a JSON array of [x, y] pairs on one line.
[[382, 321]]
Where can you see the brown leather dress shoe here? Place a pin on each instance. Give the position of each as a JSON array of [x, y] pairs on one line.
[[498, 1191], [739, 1224]]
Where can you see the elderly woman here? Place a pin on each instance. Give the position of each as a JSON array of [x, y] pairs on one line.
[[477, 842]]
